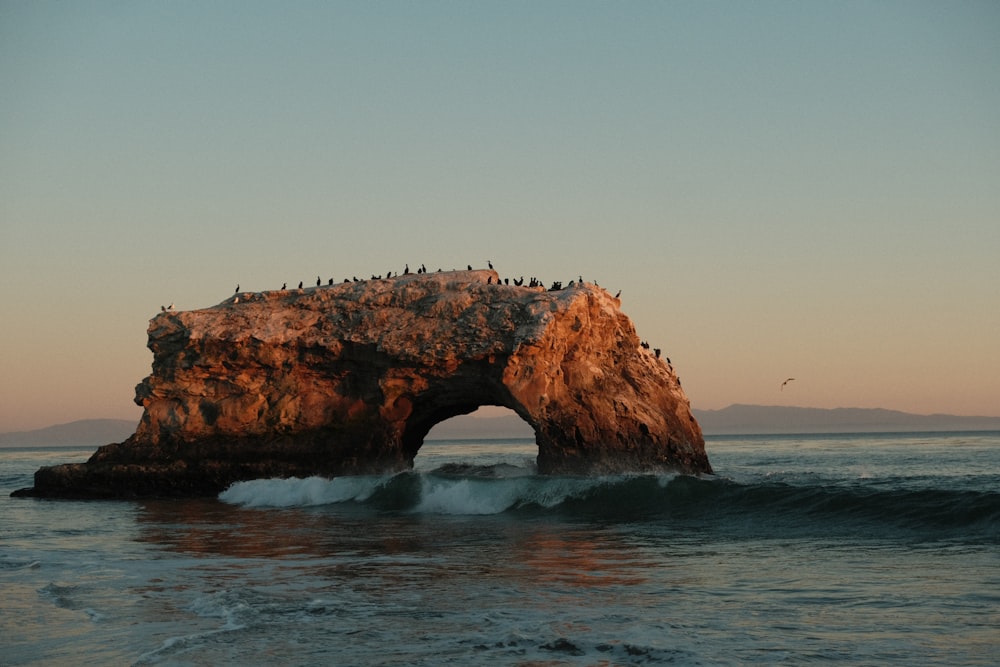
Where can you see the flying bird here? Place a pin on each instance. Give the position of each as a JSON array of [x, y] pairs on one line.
[[782, 387]]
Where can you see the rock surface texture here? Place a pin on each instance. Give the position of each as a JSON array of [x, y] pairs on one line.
[[349, 379]]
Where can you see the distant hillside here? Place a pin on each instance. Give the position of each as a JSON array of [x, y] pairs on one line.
[[760, 419], [83, 433], [470, 427]]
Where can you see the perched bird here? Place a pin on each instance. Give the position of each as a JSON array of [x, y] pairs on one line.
[[782, 387], [300, 284], [171, 306], [237, 289], [163, 309], [618, 295], [318, 281], [656, 351], [489, 264], [469, 266], [284, 285]]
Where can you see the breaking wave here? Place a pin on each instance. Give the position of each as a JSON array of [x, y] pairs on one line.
[[491, 490]]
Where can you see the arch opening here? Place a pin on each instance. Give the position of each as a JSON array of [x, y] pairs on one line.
[[488, 441]]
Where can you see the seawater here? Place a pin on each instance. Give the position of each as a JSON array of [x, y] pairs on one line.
[[876, 549]]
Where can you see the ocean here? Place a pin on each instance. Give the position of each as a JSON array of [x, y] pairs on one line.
[[862, 549]]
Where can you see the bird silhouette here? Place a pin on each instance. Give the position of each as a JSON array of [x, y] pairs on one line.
[[782, 387]]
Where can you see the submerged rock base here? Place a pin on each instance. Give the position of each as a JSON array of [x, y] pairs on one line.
[[349, 379]]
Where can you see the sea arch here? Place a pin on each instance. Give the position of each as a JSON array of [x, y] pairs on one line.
[[350, 378]]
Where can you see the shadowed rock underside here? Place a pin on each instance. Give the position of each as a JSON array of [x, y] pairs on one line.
[[349, 379]]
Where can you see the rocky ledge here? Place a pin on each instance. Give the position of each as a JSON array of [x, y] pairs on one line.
[[349, 379]]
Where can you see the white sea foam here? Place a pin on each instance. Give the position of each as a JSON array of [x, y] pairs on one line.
[[493, 496], [436, 494], [296, 492], [467, 496]]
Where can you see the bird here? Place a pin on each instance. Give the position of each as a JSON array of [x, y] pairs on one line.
[[782, 387], [618, 295], [237, 289], [468, 266], [300, 284], [318, 281], [489, 264], [171, 306], [284, 285], [163, 309]]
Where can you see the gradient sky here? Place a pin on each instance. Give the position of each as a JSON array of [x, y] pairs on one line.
[[778, 188]]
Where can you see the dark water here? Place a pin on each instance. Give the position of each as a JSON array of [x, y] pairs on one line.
[[858, 549]]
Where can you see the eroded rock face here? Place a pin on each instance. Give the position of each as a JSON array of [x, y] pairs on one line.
[[349, 378]]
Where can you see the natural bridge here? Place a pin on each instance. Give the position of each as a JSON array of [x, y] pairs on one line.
[[349, 378]]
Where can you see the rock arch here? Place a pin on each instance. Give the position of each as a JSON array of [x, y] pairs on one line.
[[350, 378]]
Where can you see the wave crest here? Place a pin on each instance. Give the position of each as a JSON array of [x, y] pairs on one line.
[[637, 497]]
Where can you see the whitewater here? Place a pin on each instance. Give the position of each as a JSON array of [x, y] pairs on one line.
[[850, 549]]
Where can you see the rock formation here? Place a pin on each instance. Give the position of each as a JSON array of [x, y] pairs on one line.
[[349, 378]]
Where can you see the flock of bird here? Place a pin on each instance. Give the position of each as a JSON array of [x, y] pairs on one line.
[[517, 282], [533, 282]]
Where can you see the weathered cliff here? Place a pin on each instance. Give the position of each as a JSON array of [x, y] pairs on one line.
[[349, 378]]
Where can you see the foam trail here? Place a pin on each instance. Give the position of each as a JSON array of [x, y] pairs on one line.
[[467, 496], [296, 492], [493, 496]]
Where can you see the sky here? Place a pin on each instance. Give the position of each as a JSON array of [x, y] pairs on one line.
[[780, 189]]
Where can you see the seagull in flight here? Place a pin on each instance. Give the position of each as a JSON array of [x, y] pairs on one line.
[[782, 387]]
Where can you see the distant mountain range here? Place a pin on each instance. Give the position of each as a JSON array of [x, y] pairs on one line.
[[765, 419], [83, 433], [468, 427], [733, 420]]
